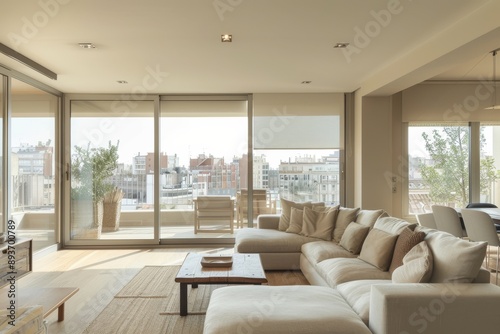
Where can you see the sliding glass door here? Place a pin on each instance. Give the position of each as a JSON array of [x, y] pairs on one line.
[[112, 170], [34, 187], [203, 151]]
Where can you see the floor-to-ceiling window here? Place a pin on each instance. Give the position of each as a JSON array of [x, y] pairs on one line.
[[112, 169], [298, 141], [33, 183], [150, 160], [203, 151], [438, 162], [490, 164]]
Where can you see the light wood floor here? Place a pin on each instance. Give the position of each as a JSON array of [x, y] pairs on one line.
[[99, 274]]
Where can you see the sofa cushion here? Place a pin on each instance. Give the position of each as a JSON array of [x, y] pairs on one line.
[[406, 241], [369, 217], [455, 260], [318, 251], [281, 310], [286, 211], [353, 237], [417, 266], [393, 225], [344, 218], [254, 240], [296, 219], [318, 223], [378, 248], [341, 270], [357, 295]]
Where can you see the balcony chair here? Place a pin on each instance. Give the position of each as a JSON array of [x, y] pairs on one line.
[[260, 205], [216, 209], [426, 220], [448, 220], [480, 227]]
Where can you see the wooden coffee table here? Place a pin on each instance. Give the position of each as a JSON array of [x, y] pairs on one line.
[[246, 269]]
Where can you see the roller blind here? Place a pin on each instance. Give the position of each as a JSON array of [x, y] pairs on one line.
[[298, 121], [117, 108], [203, 108]]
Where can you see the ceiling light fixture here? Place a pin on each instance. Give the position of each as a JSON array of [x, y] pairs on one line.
[[340, 45], [226, 38], [306, 82], [87, 45], [494, 104], [122, 82]]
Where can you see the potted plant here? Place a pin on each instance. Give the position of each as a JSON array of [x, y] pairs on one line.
[[90, 171], [111, 210]]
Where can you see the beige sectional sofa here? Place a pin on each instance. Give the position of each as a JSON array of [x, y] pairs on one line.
[[369, 273]]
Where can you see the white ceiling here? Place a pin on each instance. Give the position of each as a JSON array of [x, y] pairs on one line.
[[276, 45]]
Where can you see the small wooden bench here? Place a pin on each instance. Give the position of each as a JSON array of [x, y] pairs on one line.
[[50, 299]]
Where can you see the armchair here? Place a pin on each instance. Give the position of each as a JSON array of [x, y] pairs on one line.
[[216, 209]]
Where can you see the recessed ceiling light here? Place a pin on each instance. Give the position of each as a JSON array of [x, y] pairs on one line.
[[340, 45], [122, 82], [226, 38], [87, 45], [306, 82]]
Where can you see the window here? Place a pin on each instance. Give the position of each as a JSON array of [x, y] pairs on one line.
[[490, 164], [205, 144], [438, 166], [33, 134], [112, 145], [299, 137]]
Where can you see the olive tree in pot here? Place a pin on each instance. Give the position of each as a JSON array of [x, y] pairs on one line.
[[90, 171]]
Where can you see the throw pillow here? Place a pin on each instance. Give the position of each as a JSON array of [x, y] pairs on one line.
[[455, 260], [406, 240], [319, 207], [296, 219], [393, 225], [344, 218], [318, 224], [286, 210], [369, 217], [353, 237], [378, 248], [417, 266]]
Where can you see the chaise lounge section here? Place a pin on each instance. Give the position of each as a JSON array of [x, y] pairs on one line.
[[371, 274]]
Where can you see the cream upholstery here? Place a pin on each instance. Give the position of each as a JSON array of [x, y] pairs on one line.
[[377, 301], [280, 310]]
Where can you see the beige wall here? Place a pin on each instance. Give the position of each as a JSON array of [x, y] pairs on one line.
[[376, 154], [449, 103]]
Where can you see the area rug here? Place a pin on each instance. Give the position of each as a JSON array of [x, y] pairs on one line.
[[149, 303]]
